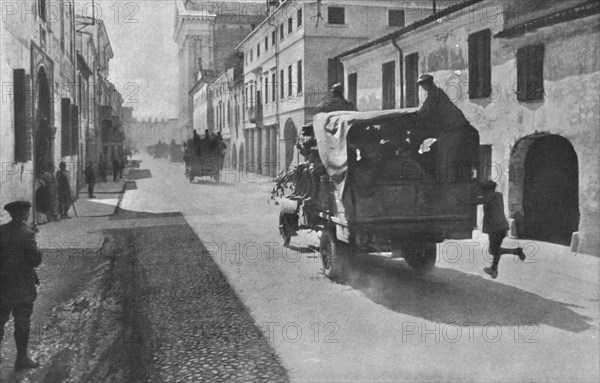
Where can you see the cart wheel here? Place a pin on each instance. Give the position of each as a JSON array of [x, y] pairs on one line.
[[334, 256], [421, 256]]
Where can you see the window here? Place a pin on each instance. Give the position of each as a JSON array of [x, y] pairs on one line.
[[62, 24], [335, 72], [266, 87], [20, 107], [228, 113], [290, 25], [281, 85], [485, 162], [480, 69], [336, 15], [42, 9], [299, 76], [266, 43], [411, 76], [252, 26], [273, 37], [65, 127], [251, 54], [273, 86], [299, 17], [74, 130], [396, 18], [290, 83], [530, 73], [257, 50], [281, 32], [388, 85], [352, 87]]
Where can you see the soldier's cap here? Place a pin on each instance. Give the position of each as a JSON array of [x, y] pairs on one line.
[[488, 185], [17, 206], [308, 129], [424, 78]]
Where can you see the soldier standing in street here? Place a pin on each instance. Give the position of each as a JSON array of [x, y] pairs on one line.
[[64, 190], [90, 178], [19, 256]]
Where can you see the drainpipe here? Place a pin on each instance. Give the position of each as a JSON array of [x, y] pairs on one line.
[[400, 77], [277, 94]]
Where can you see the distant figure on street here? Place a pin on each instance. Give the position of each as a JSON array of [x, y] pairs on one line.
[[19, 256], [102, 168], [121, 167], [116, 166], [90, 178], [64, 190], [495, 225], [46, 195], [457, 142], [335, 101], [197, 141]]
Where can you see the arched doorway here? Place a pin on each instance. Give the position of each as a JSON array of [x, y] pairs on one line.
[[290, 134], [549, 188], [44, 135]]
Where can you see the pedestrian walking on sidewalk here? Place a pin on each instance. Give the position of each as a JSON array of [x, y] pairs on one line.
[[64, 190], [90, 178], [495, 225], [19, 256]]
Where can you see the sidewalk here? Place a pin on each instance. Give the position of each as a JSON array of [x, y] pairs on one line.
[[85, 231]]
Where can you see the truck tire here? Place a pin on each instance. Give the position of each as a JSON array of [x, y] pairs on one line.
[[334, 257], [421, 257]]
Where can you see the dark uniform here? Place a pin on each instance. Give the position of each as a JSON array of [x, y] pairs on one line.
[[19, 256], [64, 191], [335, 101], [495, 225], [90, 179], [457, 141]]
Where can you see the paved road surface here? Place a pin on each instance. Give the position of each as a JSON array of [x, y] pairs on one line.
[[538, 321]]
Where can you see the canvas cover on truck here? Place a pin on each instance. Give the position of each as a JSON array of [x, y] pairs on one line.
[[332, 131]]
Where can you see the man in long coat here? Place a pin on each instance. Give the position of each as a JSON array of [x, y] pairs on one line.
[[19, 256], [64, 190], [457, 141]]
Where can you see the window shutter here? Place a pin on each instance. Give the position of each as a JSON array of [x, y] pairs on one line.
[[388, 71], [74, 130], [352, 87], [522, 74], [538, 72], [486, 70], [22, 120], [65, 127]]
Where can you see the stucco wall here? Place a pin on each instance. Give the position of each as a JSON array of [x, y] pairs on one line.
[[570, 107]]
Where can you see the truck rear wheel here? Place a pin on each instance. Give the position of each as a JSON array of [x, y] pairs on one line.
[[334, 256], [421, 257]]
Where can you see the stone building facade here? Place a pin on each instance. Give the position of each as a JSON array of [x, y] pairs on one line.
[[289, 65], [526, 75], [207, 33], [38, 66]]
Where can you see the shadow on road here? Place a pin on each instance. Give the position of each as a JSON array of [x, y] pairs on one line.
[[452, 296], [210, 182]]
